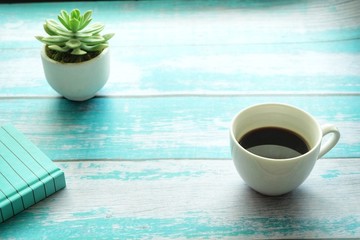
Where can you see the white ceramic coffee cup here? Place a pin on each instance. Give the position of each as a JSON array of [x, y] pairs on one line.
[[278, 176]]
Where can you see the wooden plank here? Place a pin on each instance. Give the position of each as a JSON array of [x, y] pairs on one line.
[[161, 127], [191, 199], [289, 68], [179, 47], [182, 22]]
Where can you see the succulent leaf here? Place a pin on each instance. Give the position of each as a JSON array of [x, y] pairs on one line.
[[94, 28], [78, 51], [55, 40], [57, 28], [108, 36], [74, 24], [93, 40], [48, 30], [65, 15], [73, 43], [64, 19], [58, 48], [87, 15], [75, 14], [82, 35], [98, 47], [39, 38], [85, 20]]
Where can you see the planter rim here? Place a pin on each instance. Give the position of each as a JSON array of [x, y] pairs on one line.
[[43, 53]]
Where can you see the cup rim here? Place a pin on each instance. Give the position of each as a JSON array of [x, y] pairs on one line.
[[313, 148]]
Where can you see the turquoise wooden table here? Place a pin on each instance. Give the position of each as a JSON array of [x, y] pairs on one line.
[[149, 156]]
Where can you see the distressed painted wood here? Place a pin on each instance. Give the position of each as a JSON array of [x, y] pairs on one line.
[[164, 70], [156, 23], [149, 157], [235, 47], [181, 127], [194, 199]]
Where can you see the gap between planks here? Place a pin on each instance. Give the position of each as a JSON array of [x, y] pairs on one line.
[[109, 160], [137, 160], [202, 94], [126, 45]]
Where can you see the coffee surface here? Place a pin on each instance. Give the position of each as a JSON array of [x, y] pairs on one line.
[[274, 142]]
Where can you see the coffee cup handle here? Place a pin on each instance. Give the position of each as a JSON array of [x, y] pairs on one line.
[[328, 144]]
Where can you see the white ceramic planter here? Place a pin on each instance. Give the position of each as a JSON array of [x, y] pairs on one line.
[[77, 81]]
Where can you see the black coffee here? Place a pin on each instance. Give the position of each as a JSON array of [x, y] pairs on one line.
[[274, 142]]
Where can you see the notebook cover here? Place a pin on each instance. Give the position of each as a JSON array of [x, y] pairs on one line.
[[27, 175]]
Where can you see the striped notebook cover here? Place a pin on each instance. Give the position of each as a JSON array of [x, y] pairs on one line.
[[27, 175]]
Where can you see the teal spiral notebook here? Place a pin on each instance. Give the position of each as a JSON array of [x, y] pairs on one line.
[[27, 175]]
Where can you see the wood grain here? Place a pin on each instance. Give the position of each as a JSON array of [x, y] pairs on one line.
[[160, 127], [191, 199], [204, 70], [156, 23]]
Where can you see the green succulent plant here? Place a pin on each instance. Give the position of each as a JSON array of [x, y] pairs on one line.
[[73, 35]]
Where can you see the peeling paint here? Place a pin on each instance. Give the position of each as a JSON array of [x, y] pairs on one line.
[[148, 174]]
